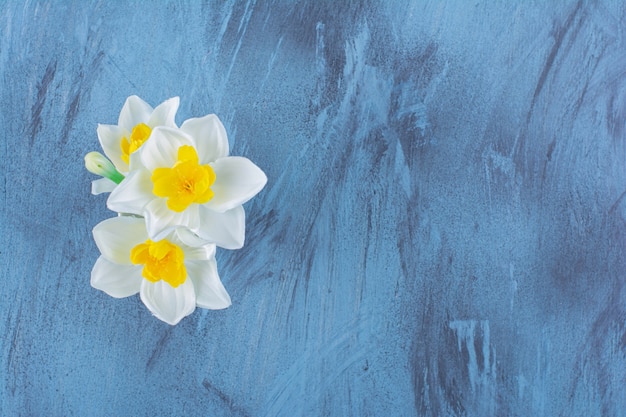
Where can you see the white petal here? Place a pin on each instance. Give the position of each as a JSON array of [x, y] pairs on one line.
[[110, 138], [118, 281], [165, 113], [103, 185], [132, 194], [237, 180], [192, 241], [134, 111], [160, 220], [210, 293], [194, 253], [161, 151], [116, 237], [200, 253], [168, 303], [226, 230], [209, 135], [135, 162]]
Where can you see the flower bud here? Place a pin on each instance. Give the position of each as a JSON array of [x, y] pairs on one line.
[[98, 164]]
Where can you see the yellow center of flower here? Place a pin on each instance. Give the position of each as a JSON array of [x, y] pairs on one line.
[[186, 182], [138, 136], [161, 260]]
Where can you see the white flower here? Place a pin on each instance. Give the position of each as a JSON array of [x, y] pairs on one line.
[[135, 123], [171, 277], [185, 178]]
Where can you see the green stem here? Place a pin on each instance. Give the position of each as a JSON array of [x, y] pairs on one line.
[[116, 177]]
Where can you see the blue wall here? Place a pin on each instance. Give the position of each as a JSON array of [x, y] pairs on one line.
[[442, 234]]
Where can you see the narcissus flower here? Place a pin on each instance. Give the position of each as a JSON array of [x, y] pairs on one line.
[[171, 277], [185, 178], [135, 124]]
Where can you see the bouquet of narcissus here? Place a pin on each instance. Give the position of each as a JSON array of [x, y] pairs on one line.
[[178, 195]]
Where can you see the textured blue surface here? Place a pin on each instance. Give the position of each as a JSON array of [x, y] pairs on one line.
[[443, 232]]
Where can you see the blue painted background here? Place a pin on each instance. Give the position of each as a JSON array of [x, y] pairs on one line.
[[443, 232]]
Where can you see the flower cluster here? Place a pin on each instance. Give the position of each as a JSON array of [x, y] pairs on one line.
[[178, 195]]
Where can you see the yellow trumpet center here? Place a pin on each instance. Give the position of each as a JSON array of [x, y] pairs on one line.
[[186, 182], [138, 136], [161, 260]]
